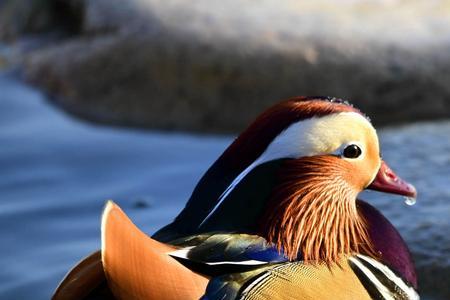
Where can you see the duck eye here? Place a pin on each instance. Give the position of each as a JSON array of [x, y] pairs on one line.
[[352, 151]]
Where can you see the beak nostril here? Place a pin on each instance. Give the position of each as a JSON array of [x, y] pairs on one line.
[[387, 181]]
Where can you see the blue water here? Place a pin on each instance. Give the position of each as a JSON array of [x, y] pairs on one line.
[[56, 173]]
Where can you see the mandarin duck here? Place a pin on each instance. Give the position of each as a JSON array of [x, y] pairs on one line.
[[275, 217]]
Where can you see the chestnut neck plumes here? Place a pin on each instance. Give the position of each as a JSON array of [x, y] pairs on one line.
[[312, 212]]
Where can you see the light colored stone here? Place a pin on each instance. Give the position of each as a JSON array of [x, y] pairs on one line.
[[213, 65]]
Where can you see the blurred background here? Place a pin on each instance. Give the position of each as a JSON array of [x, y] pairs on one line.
[[133, 100]]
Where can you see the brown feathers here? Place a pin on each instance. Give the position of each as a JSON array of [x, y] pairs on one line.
[[139, 267], [254, 140], [313, 212]]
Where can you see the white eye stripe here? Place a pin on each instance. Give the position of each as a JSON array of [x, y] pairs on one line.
[[310, 137]]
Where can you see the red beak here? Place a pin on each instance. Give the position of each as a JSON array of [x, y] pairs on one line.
[[388, 182]]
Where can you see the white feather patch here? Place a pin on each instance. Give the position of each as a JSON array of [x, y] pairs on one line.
[[412, 294], [384, 291], [183, 253], [315, 136]]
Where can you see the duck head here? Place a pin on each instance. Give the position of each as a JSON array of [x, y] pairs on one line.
[[293, 176]]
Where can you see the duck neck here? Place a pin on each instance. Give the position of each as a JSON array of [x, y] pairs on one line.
[[312, 215]]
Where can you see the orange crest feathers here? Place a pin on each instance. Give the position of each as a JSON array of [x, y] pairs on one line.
[[313, 212]]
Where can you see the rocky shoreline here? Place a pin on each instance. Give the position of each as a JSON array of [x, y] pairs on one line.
[[213, 65]]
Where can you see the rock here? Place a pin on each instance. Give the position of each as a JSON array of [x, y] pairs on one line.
[[19, 17], [209, 66]]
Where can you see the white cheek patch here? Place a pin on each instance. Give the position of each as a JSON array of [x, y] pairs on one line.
[[311, 137]]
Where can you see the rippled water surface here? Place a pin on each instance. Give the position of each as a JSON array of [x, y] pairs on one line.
[[57, 172]]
